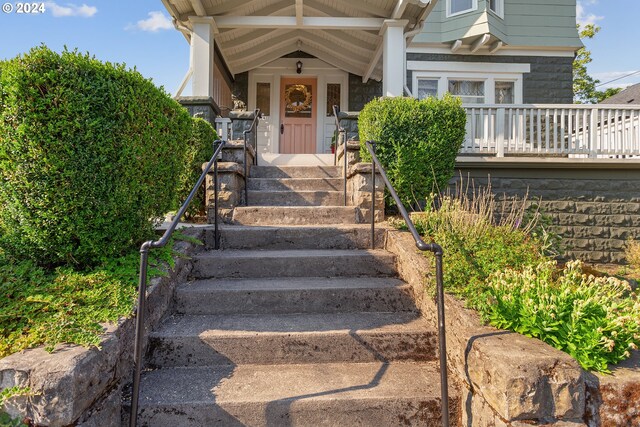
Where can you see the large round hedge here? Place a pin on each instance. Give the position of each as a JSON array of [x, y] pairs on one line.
[[90, 154], [417, 142]]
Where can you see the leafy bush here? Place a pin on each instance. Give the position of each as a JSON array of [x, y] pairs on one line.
[[50, 307], [199, 151], [417, 141], [90, 153], [595, 320], [478, 237]]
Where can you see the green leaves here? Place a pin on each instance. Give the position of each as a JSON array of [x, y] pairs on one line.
[[90, 154], [595, 320], [66, 305], [417, 142]]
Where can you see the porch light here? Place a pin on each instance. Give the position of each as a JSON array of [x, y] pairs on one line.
[[299, 67]]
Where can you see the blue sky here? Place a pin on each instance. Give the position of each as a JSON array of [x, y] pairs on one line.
[[139, 33]]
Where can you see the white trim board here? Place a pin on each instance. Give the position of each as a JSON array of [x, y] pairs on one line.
[[505, 51], [484, 67]]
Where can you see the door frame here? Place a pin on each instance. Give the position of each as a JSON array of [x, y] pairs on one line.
[[274, 71]]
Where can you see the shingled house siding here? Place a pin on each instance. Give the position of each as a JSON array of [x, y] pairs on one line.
[[549, 82]]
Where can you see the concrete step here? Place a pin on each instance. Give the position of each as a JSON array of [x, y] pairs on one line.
[[295, 184], [293, 263], [243, 339], [296, 198], [355, 236], [294, 295], [355, 394], [295, 215], [295, 172]]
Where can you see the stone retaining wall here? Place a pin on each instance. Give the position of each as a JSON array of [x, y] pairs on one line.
[[594, 204], [83, 386], [506, 379]]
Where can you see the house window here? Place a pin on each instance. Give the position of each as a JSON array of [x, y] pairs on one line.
[[263, 98], [427, 87], [456, 7], [505, 92], [333, 97], [469, 91], [497, 7]]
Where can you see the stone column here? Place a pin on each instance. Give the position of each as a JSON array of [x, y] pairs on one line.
[[359, 190], [393, 54]]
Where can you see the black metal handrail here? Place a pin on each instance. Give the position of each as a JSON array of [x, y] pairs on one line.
[[256, 116], [340, 131], [432, 247], [144, 260]]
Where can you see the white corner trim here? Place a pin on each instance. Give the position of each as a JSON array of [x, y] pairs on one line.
[[485, 67]]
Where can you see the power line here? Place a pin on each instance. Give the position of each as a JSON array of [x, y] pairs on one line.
[[619, 78]]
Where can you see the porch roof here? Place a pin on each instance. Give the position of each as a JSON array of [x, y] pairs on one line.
[[345, 34]]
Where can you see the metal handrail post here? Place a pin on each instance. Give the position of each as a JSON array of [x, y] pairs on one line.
[[437, 251], [344, 160], [216, 235], [142, 284], [373, 200], [256, 116]]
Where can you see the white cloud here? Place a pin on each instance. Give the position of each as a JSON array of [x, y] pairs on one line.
[[155, 22], [70, 9], [582, 17]]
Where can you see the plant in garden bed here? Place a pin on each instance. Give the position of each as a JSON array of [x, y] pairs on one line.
[[595, 320], [40, 307]]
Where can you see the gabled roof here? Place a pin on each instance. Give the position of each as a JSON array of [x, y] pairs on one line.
[[630, 95], [346, 34]]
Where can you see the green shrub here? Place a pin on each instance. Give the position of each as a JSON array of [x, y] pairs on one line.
[[595, 320], [417, 142], [199, 151], [478, 237], [90, 153]]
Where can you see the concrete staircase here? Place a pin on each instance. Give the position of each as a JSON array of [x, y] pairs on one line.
[[294, 322]]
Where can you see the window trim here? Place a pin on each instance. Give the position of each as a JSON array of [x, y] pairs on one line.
[[489, 80], [474, 6], [500, 8]]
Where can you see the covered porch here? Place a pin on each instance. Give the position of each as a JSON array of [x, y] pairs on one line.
[[294, 59]]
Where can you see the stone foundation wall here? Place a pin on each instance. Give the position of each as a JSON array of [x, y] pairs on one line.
[[594, 204]]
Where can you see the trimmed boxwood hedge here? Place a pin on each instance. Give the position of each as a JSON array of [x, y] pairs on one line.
[[417, 142], [199, 151], [90, 154]]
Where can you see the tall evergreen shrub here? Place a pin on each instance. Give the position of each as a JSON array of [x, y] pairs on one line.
[[90, 154], [417, 142], [199, 151]]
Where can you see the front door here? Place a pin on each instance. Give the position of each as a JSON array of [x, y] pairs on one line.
[[298, 106]]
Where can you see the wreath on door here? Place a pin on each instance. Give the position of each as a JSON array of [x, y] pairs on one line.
[[293, 96]]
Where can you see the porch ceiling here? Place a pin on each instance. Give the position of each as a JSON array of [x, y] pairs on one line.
[[345, 34]]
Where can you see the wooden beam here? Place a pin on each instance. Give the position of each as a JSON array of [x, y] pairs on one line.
[[495, 47], [308, 22], [374, 62], [456, 45], [198, 8], [481, 41], [299, 12]]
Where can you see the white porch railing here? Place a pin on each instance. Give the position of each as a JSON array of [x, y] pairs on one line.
[[553, 130]]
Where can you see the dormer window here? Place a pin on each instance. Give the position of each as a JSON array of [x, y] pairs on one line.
[[457, 7], [497, 7]]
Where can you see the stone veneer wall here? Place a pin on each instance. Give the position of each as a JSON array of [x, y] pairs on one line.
[[361, 93], [594, 205], [549, 82]]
